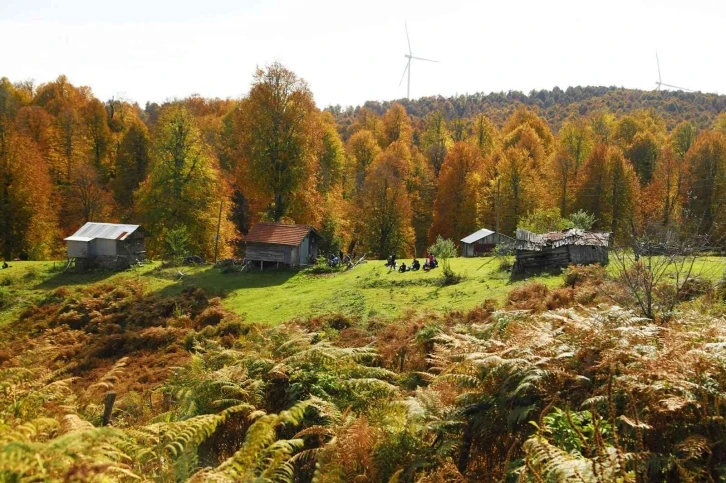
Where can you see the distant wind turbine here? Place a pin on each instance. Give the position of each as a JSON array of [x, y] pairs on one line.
[[660, 83], [410, 56]]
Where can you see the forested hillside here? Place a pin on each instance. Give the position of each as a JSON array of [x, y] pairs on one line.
[[381, 179], [557, 105]]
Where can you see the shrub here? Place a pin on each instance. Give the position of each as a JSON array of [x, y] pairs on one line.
[[582, 220], [505, 264], [578, 275], [210, 316], [560, 298], [531, 296], [444, 249], [695, 287]]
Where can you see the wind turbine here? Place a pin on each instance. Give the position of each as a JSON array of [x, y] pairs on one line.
[[410, 57], [660, 83]]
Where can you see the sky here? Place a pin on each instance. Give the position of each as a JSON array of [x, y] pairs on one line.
[[351, 52]]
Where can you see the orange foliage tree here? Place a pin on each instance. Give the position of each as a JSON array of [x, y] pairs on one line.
[[456, 208], [385, 207]]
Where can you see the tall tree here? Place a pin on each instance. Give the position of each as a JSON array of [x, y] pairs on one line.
[[435, 140], [184, 187], [27, 216], [518, 187], [331, 156], [276, 137], [575, 144], [643, 152], [99, 135], [132, 163], [459, 185], [707, 182], [385, 211], [485, 135], [362, 149], [85, 198], [397, 125], [609, 190]]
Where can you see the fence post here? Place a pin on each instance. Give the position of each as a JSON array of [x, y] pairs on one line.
[[108, 407]]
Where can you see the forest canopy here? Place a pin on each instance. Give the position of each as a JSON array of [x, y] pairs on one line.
[[381, 178]]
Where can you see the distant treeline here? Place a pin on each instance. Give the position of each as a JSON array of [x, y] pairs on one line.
[[384, 178]]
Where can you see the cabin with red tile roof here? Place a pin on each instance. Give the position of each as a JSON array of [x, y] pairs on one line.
[[276, 243]]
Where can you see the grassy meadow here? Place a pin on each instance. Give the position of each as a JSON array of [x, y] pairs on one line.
[[274, 296]]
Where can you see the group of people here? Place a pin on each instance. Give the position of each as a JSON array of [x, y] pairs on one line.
[[429, 264], [336, 260]]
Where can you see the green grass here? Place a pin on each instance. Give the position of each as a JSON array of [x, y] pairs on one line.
[[274, 296]]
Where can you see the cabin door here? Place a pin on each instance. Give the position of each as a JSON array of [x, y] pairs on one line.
[[305, 251]]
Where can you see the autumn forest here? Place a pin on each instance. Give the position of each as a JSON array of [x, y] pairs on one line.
[[382, 178]]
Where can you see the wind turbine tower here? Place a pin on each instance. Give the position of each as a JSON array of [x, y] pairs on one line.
[[410, 57], [660, 83]]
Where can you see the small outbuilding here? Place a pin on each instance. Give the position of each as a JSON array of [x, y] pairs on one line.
[[482, 242], [107, 245], [291, 245], [537, 252]]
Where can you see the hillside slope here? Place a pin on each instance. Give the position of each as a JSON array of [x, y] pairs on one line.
[[556, 105]]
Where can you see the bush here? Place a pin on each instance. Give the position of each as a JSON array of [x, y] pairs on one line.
[[579, 275], [695, 287], [210, 316], [444, 249], [505, 264], [531, 296], [560, 298]]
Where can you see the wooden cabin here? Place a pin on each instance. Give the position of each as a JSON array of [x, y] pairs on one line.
[[276, 243], [538, 252], [106, 245], [482, 242]]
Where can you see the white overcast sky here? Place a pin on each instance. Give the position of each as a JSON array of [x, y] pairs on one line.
[[350, 52]]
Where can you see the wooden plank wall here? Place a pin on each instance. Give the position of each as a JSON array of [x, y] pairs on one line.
[[268, 253]]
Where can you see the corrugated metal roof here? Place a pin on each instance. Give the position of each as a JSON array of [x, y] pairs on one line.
[[476, 236], [278, 234], [526, 240], [106, 231]]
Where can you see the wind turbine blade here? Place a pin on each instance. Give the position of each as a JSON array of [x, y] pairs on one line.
[[427, 60], [404, 73], [679, 88], [658, 63], [410, 52]]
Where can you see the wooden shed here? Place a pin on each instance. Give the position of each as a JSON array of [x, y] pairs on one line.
[[536, 252], [483, 241], [291, 245], [108, 245]]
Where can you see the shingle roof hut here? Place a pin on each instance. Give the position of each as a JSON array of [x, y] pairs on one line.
[[482, 241], [292, 245], [109, 245], [536, 252]]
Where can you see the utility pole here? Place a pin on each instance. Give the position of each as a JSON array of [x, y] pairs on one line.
[[498, 204], [216, 239]]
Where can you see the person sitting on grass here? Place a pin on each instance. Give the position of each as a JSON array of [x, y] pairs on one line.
[[5, 264], [415, 265], [403, 268], [432, 261]]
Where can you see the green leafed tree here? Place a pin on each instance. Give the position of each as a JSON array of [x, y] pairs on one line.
[[132, 163], [184, 185]]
